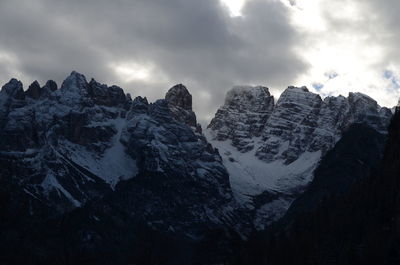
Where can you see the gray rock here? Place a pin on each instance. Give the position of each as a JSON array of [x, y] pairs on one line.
[[243, 116], [14, 89], [34, 90], [300, 119], [274, 149], [180, 104], [83, 142]]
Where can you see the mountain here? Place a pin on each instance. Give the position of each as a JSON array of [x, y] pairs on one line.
[[357, 226], [81, 164], [89, 175], [271, 150]]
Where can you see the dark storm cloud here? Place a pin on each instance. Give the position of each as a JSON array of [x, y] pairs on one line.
[[189, 41]]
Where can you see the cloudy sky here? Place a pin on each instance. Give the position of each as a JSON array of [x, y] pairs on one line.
[[147, 46]]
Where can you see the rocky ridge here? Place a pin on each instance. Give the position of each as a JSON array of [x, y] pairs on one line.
[[69, 147], [271, 150], [104, 177], [243, 116]]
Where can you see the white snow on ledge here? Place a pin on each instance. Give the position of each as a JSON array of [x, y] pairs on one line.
[[114, 165], [250, 176], [51, 183]]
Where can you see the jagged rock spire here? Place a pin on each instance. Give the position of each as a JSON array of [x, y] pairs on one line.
[[75, 81], [179, 96], [250, 98], [180, 104], [14, 89], [243, 116], [50, 86], [34, 90], [104, 95]]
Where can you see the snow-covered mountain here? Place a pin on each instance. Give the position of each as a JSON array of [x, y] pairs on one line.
[[271, 150], [67, 147], [91, 170]]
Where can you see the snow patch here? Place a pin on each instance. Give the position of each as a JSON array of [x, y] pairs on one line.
[[51, 182], [114, 165], [250, 176]]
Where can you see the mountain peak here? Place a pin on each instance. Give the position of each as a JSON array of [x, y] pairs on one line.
[[105, 95], [75, 73], [254, 98], [74, 81], [355, 96], [243, 116], [14, 88], [300, 89], [179, 96], [180, 104], [50, 86], [34, 90]]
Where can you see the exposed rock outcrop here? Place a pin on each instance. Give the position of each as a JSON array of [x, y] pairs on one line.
[[180, 104], [243, 116], [274, 149]]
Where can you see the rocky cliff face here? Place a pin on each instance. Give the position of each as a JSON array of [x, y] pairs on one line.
[[180, 104], [71, 147], [274, 149], [307, 123], [243, 116]]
